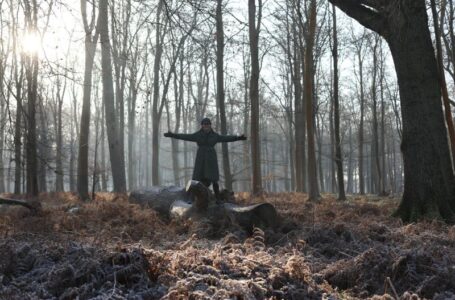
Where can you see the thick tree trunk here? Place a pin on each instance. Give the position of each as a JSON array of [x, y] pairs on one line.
[[116, 156], [429, 180], [429, 187]]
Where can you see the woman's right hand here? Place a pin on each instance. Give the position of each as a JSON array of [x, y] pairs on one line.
[[168, 134]]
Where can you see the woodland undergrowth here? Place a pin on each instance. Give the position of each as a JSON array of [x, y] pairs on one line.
[[109, 248]]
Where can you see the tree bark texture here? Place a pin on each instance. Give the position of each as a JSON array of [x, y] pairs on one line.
[[196, 202]]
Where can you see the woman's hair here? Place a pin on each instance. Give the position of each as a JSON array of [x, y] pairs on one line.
[[205, 121]]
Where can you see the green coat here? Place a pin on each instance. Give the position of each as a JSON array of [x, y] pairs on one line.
[[206, 164]]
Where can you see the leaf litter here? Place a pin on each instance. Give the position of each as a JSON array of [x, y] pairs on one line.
[[111, 249]]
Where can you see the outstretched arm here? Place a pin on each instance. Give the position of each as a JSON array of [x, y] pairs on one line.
[[191, 137], [230, 138]]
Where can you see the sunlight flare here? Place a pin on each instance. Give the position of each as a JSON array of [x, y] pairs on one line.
[[30, 43]]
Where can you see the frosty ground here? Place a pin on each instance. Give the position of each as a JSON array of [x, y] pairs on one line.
[[109, 248]]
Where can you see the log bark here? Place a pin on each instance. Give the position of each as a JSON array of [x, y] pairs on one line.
[[196, 202], [33, 206]]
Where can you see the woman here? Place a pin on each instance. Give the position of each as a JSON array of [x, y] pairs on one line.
[[206, 164]]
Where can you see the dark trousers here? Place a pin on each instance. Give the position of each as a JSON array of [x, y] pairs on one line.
[[216, 187]]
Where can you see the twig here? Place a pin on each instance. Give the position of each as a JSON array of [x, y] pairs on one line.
[[392, 287], [115, 283], [345, 254]]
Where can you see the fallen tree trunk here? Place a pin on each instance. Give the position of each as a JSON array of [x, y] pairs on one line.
[[34, 206], [196, 202]]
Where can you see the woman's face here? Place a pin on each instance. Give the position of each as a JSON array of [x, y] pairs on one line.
[[206, 126]]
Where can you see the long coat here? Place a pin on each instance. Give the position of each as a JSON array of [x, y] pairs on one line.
[[206, 164]]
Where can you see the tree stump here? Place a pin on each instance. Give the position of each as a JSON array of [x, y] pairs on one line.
[[196, 202]]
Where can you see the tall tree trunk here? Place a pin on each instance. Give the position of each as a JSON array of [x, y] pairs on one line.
[[429, 188], [338, 155], [313, 190], [220, 91], [120, 55], [134, 82], [147, 142], [362, 114], [18, 132], [104, 174], [43, 149], [246, 117], [3, 102], [442, 82], [74, 141], [382, 187], [332, 162], [31, 73], [299, 112], [59, 139], [84, 133], [350, 183], [376, 167], [179, 108], [155, 100], [116, 156], [254, 93]]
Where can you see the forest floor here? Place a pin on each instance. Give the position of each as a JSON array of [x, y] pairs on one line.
[[110, 249]]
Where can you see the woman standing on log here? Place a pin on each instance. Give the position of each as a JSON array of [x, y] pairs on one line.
[[206, 164]]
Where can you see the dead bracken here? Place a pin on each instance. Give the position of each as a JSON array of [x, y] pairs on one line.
[[110, 248]]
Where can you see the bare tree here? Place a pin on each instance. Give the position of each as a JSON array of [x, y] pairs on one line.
[[313, 189], [117, 158], [220, 91], [90, 47], [31, 74], [338, 155]]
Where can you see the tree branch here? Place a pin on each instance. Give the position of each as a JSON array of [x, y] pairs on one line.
[[368, 16]]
